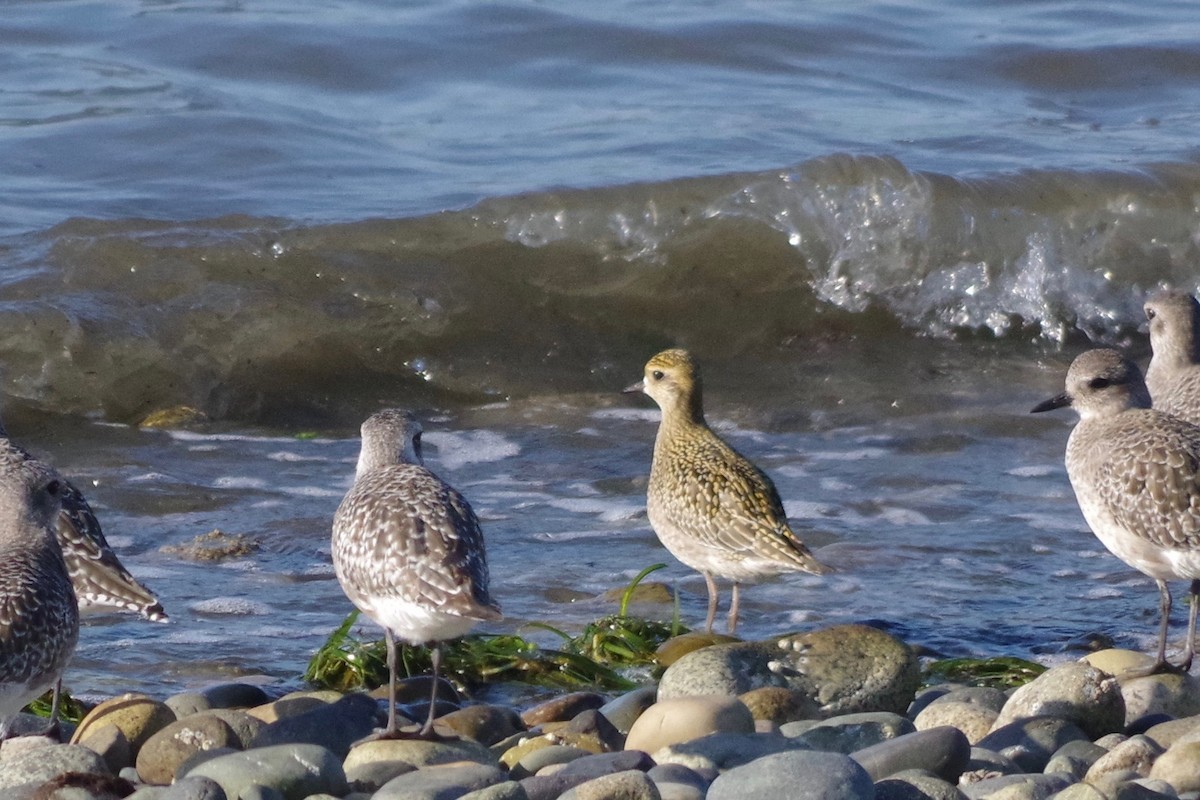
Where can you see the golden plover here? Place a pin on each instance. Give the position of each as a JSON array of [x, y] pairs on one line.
[[1136, 476], [408, 550], [710, 507]]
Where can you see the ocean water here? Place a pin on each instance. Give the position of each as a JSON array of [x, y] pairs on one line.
[[884, 229]]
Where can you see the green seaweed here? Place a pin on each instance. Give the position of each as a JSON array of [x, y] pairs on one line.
[[1001, 672], [69, 709], [588, 660]]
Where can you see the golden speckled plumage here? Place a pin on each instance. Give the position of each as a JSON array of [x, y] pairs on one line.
[[1136, 476], [711, 508], [408, 549], [1173, 376]]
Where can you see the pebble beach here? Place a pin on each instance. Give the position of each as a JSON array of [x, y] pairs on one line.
[[834, 714]]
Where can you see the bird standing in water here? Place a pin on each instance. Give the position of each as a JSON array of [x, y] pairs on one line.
[[710, 507], [408, 550]]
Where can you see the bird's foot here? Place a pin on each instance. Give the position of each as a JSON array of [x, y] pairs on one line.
[[409, 733]]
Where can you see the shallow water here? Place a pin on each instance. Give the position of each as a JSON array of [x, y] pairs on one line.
[[884, 229]]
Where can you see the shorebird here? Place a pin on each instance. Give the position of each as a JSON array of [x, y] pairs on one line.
[[709, 506], [39, 615], [1173, 376], [1136, 475], [408, 551], [100, 579]]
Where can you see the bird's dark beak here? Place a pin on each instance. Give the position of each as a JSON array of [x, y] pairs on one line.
[[1058, 401], [634, 388]]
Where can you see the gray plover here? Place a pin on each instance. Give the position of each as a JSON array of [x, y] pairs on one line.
[[39, 615], [1173, 376], [710, 507], [101, 581], [408, 550], [1136, 476]]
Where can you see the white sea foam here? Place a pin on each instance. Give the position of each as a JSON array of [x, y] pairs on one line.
[[239, 606], [456, 449], [1035, 471]]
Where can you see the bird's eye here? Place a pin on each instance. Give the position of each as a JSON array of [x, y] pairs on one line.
[[1099, 383], [657, 374], [1150, 313]]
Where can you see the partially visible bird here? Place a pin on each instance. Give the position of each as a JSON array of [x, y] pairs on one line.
[[710, 507], [39, 614], [408, 550], [100, 579], [1173, 376], [1136, 475]]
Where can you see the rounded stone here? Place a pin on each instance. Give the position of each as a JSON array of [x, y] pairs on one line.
[[944, 752], [1031, 742], [721, 751], [915, 784], [843, 669], [623, 711], [194, 788], [137, 716], [536, 760], [439, 781], [779, 705], [628, 785], [1135, 754], [679, 646], [975, 721], [293, 770], [1177, 767], [244, 726], [562, 708], [796, 774], [505, 790], [851, 732], [486, 724], [45, 763], [1175, 730], [110, 743], [682, 719], [1171, 694], [677, 782], [161, 755], [1077, 692], [185, 704], [334, 726]]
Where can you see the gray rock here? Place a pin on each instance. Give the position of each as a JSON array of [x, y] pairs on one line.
[[943, 752], [440, 781], [536, 760], [294, 770], [982, 696], [1017, 787], [1075, 758], [1177, 767], [973, 719], [593, 726], [194, 788], [163, 752], [916, 784], [722, 751], [549, 787], [235, 695], [334, 726], [507, 790], [798, 775], [47, 762], [850, 732], [677, 782], [486, 724], [244, 726], [1136, 754], [628, 785], [1075, 691], [185, 704], [987, 764], [1030, 742], [844, 669], [1172, 694], [562, 708], [623, 711], [1079, 791], [150, 793], [593, 766], [372, 764]]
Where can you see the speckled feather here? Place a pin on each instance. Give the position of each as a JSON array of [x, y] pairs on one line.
[[713, 509], [1173, 376], [403, 534], [39, 616], [100, 579]]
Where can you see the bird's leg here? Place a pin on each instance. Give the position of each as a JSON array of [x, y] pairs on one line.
[[734, 607], [1160, 662], [1193, 606], [426, 732], [712, 601], [390, 730]]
